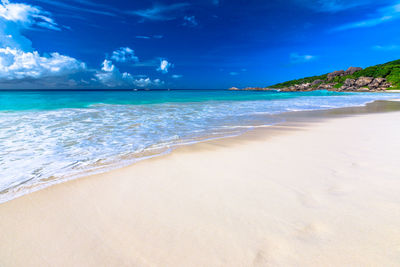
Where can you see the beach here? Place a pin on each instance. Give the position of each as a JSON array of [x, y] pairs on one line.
[[321, 189]]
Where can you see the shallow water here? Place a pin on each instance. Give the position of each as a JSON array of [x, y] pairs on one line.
[[47, 137]]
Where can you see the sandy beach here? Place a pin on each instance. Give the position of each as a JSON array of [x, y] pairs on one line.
[[318, 191]]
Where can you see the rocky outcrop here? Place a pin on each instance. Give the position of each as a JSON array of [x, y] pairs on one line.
[[360, 84], [299, 87], [349, 82], [309, 87], [326, 86], [352, 70], [316, 82], [363, 81], [334, 74], [339, 73], [379, 84], [365, 84]]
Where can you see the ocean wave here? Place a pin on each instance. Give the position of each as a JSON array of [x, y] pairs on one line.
[[42, 147]]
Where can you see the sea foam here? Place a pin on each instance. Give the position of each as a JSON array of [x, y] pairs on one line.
[[43, 146]]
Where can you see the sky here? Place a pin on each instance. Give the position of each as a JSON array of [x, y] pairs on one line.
[[198, 44]]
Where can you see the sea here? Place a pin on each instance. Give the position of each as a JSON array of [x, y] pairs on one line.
[[47, 137]]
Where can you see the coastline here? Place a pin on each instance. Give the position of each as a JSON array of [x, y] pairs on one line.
[[132, 144], [229, 202]]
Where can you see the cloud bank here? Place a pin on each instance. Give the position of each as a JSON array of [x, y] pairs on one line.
[[110, 76], [21, 66], [19, 62], [16, 64]]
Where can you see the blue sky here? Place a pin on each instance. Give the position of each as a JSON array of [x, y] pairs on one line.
[[210, 44]]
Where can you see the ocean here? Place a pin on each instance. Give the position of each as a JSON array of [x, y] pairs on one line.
[[51, 136]]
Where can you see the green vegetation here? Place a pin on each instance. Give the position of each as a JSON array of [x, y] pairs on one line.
[[338, 85], [394, 78], [390, 71], [299, 81]]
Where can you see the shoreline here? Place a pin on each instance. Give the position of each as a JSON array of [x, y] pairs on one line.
[[229, 202], [281, 120]]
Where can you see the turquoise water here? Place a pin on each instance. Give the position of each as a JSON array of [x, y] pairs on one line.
[[48, 137], [43, 100]]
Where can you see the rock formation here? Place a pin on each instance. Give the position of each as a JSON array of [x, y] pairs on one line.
[[334, 74], [365, 84], [349, 71], [360, 84], [316, 82], [352, 70]]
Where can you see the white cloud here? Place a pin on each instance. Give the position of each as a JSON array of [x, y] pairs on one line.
[[78, 6], [149, 37], [15, 18], [110, 76], [386, 47], [336, 5], [177, 76], [190, 21], [124, 54], [235, 73], [333, 6], [164, 66], [297, 58], [16, 64], [160, 12], [143, 82], [107, 66], [147, 82], [26, 15], [20, 64], [383, 15]]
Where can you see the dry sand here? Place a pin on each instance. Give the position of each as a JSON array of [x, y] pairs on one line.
[[326, 193]]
